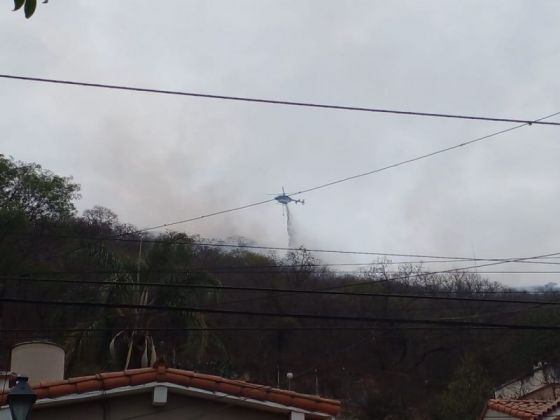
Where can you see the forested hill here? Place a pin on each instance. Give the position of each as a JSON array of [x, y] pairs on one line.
[[392, 341]]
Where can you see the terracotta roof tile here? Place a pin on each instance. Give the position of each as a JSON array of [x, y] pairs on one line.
[[111, 380], [524, 409]]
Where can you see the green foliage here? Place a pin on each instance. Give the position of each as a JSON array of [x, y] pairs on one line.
[[467, 392], [29, 190], [30, 197], [18, 4], [29, 6], [538, 346], [379, 405], [99, 215], [168, 261]]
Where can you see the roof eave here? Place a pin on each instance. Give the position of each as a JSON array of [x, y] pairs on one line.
[[179, 389]]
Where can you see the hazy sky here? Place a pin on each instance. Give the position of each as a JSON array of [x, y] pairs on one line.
[[154, 159]]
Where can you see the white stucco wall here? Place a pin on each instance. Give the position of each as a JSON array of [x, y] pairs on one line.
[[517, 389]]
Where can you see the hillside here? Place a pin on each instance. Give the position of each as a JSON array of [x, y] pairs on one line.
[[392, 341]]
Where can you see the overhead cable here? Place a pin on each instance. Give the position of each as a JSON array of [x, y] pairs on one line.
[[417, 158], [204, 216], [325, 317], [274, 101], [239, 329], [360, 175], [522, 123], [288, 249], [415, 275], [292, 292], [314, 269]]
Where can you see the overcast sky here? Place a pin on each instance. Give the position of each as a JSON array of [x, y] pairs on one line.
[[155, 159]]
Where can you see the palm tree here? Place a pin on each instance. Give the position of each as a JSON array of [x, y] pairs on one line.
[[134, 343]]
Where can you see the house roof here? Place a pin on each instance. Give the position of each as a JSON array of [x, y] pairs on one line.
[[111, 380], [524, 409], [530, 374]]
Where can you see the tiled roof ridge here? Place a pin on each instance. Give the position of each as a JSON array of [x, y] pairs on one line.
[[257, 386], [524, 409], [111, 380]]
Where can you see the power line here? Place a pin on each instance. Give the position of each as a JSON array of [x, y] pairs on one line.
[[346, 318], [417, 158], [281, 290], [453, 270], [276, 101], [416, 275], [185, 331], [480, 333], [304, 332], [268, 248], [408, 277], [335, 182], [265, 268], [271, 270], [370, 253], [241, 329], [288, 249], [374, 171], [26, 277], [522, 123], [216, 213], [343, 252]]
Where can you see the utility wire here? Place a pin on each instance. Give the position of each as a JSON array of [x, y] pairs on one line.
[[425, 156], [204, 216], [275, 101], [415, 275], [241, 329], [474, 332], [522, 123], [324, 317], [374, 171], [26, 277], [271, 270], [288, 249], [454, 270], [481, 334], [335, 182], [280, 290]]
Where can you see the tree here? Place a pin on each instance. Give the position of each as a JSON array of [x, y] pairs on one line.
[[102, 221], [31, 198], [467, 392], [133, 344], [101, 215], [28, 190]]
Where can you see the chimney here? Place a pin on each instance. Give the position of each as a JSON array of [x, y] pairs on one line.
[[40, 361]]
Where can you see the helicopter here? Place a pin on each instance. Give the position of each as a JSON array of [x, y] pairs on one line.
[[286, 199]]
